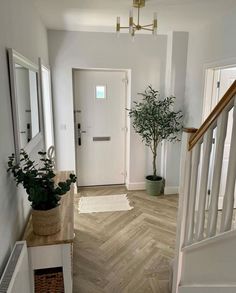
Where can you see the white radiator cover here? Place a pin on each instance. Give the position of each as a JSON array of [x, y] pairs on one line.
[[16, 276]]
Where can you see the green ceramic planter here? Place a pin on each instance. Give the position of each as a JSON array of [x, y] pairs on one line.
[[154, 187]]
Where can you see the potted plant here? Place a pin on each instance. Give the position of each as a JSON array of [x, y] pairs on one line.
[[155, 120], [43, 193]]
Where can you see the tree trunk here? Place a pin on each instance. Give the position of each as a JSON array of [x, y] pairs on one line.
[[154, 161]]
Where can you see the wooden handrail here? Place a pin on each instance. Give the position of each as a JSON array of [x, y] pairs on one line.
[[189, 130], [231, 92]]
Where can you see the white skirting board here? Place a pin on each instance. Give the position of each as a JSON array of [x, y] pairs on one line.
[[208, 289], [141, 186], [135, 185], [171, 190]]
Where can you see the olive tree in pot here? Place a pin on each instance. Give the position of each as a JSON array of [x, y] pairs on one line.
[[155, 120], [43, 193]]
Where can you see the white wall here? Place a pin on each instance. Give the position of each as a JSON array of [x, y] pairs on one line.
[[20, 28], [145, 57], [211, 46], [177, 50]]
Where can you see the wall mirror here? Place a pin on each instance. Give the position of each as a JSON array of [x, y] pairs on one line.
[[24, 82]]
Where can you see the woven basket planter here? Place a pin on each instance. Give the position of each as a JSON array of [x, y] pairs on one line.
[[46, 222], [49, 280]]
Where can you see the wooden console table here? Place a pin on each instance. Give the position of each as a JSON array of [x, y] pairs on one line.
[[54, 250]]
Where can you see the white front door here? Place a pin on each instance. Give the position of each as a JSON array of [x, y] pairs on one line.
[[99, 98]]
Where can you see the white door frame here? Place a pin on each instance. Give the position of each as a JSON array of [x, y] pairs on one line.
[[208, 77], [127, 119], [46, 68], [209, 90]]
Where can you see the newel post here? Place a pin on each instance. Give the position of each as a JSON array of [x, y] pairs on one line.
[[184, 186]]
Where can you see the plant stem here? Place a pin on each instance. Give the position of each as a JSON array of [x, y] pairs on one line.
[[154, 161]]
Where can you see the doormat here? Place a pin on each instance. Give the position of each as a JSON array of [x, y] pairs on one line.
[[107, 203]]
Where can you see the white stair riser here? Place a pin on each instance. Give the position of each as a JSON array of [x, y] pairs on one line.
[[199, 289]]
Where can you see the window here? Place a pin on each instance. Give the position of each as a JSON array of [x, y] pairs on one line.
[[100, 92]]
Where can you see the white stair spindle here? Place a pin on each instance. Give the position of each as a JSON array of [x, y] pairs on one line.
[[185, 170], [228, 203], [218, 160], [183, 156], [192, 195], [207, 145]]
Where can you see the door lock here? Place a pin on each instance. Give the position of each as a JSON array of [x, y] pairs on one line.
[[79, 134]]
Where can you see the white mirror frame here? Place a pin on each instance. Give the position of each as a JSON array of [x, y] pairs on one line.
[[13, 58], [42, 69]]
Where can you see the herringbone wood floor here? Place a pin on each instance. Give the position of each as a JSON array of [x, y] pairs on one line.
[[121, 252]]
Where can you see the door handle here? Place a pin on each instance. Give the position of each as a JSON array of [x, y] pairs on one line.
[[79, 134], [29, 135]]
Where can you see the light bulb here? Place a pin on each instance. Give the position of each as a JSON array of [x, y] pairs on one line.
[[133, 34], [130, 21], [118, 26], [155, 24]]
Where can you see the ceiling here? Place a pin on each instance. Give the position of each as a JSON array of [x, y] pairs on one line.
[[100, 15]]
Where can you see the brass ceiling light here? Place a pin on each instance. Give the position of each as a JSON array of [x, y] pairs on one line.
[[136, 26]]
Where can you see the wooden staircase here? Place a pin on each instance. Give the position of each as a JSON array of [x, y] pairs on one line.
[[206, 237]]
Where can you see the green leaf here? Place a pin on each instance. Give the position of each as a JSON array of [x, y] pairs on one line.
[[38, 181]]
